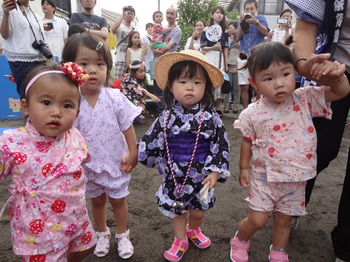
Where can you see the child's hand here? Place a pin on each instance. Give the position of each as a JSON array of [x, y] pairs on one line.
[[244, 179], [127, 164], [213, 178], [155, 98], [319, 69], [322, 68]]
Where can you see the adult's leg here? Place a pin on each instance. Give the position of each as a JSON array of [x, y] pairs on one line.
[[159, 93], [329, 136], [341, 232], [19, 70]]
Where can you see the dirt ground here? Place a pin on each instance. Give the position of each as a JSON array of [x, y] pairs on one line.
[[151, 232]]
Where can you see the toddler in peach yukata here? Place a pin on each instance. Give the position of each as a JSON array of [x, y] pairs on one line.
[[284, 147]]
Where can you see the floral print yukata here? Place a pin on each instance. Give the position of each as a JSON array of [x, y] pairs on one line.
[[133, 90], [212, 154], [102, 128], [47, 197], [284, 139]]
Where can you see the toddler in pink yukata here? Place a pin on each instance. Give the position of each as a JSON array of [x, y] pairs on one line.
[[105, 120], [279, 143], [48, 215]]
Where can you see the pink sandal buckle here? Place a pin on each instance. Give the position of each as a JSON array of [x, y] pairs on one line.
[[176, 251], [198, 238]]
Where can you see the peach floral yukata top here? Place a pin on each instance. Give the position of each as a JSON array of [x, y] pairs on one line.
[[47, 197], [283, 135]]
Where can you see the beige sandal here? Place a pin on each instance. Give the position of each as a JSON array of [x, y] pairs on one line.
[[125, 248], [102, 244]]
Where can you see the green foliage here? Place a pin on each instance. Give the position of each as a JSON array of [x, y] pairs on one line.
[[189, 12], [232, 16], [192, 10]]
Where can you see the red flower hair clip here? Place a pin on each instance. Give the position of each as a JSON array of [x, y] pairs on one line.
[[75, 72]]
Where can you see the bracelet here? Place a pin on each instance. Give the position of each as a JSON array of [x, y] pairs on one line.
[[6, 12], [257, 21], [300, 59]]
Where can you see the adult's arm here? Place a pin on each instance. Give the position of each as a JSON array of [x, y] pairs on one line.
[[168, 46], [7, 6], [117, 24], [103, 33], [304, 45]]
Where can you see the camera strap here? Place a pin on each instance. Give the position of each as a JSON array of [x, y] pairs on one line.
[[30, 25]]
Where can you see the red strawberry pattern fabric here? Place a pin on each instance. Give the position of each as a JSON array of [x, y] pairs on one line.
[[47, 195], [283, 135]]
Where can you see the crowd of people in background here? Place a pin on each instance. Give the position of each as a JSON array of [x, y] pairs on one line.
[[228, 65]]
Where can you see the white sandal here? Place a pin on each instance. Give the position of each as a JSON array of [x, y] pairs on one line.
[[102, 244], [125, 248]]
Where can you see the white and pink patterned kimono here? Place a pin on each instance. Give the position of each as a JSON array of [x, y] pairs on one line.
[[283, 135], [47, 197]]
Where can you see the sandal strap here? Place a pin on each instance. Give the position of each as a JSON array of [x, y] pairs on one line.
[[103, 234], [123, 235]]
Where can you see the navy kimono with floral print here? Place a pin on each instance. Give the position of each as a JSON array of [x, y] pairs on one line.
[[212, 155], [133, 90]]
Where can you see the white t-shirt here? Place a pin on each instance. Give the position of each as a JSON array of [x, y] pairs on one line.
[[121, 33], [196, 44], [55, 37]]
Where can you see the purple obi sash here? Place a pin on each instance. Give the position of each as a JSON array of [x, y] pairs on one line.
[[181, 147]]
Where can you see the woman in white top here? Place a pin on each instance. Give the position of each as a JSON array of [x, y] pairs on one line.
[[194, 41], [284, 28], [19, 24]]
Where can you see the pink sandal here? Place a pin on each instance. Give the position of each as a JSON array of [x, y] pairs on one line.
[[197, 237], [176, 251]]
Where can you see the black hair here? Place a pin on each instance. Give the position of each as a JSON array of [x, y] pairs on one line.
[[156, 12], [149, 25], [76, 41], [189, 69], [251, 2], [265, 54], [130, 36], [50, 2], [242, 55], [286, 11], [133, 70], [76, 28], [47, 66], [223, 21], [234, 23]]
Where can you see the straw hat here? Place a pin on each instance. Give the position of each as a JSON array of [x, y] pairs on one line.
[[166, 61]]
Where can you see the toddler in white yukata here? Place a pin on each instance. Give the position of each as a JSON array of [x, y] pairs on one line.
[[48, 215], [105, 120], [279, 142]]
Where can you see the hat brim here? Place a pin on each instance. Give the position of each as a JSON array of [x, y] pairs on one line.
[[166, 61]]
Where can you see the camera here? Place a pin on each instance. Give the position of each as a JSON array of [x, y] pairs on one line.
[[41, 46], [282, 21], [247, 16], [128, 8]]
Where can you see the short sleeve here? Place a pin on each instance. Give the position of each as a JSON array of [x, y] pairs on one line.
[[124, 110], [317, 102], [245, 124]]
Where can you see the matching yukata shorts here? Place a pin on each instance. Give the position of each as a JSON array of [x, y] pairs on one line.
[[285, 197]]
